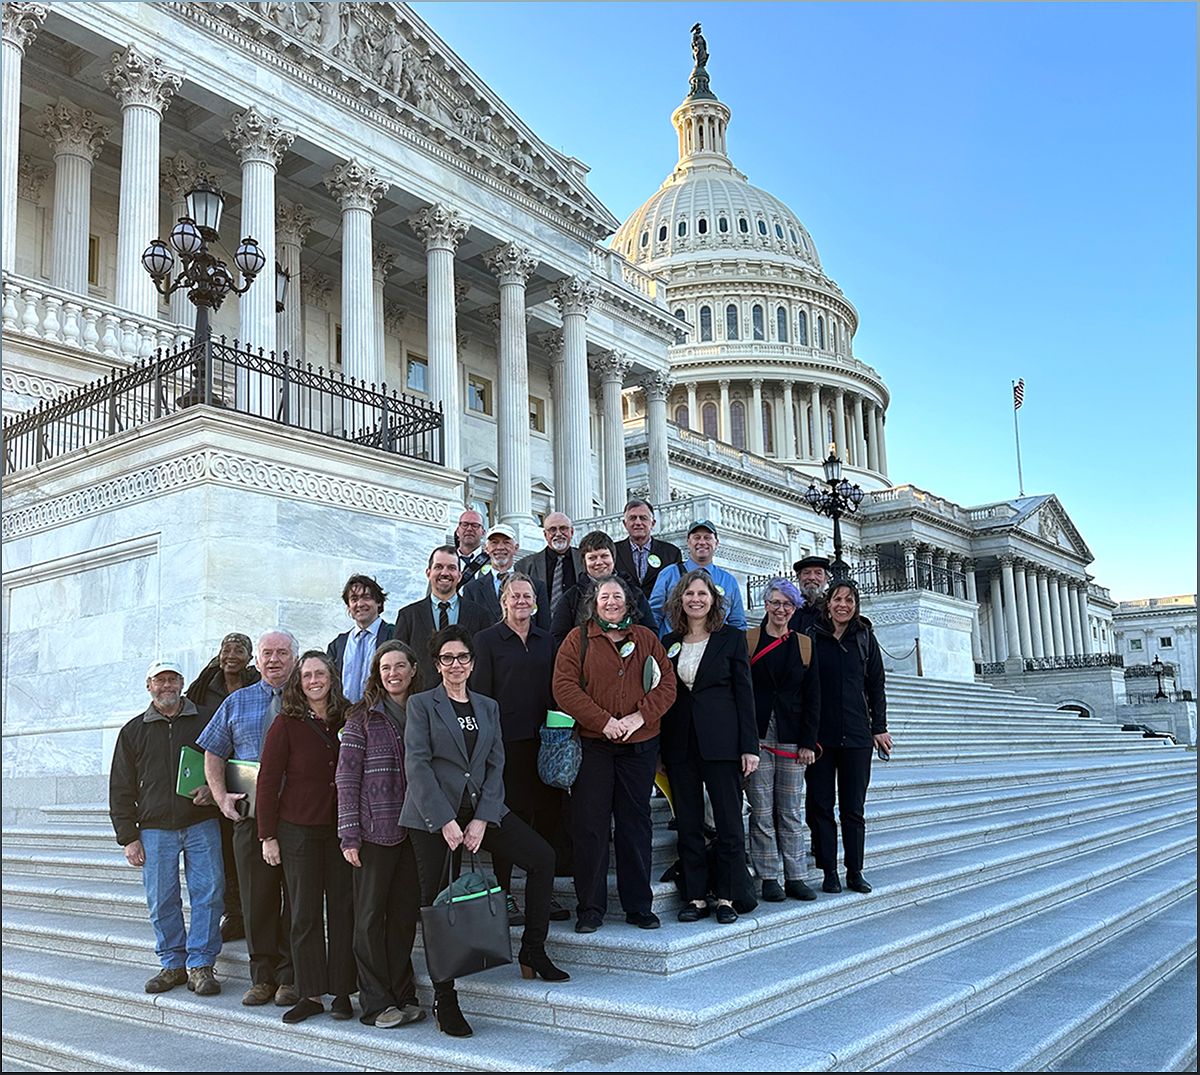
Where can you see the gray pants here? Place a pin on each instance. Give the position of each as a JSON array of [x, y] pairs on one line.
[[776, 794]]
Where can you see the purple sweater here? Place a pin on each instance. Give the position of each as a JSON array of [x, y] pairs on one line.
[[370, 780]]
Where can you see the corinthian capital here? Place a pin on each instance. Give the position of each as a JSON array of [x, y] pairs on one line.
[[657, 386], [382, 261], [511, 264], [256, 137], [611, 365], [292, 223], [138, 79], [552, 343], [179, 173], [439, 227], [356, 186], [22, 22], [574, 295], [73, 130]]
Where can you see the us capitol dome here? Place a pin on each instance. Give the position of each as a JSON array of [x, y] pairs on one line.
[[764, 356]]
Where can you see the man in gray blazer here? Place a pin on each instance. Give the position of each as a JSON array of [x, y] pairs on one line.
[[484, 589], [557, 566]]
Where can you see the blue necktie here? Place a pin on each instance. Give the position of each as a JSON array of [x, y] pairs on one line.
[[354, 690]]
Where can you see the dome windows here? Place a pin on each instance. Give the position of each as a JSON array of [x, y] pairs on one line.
[[681, 416], [802, 329], [723, 224], [662, 234], [743, 225], [756, 320], [762, 226], [705, 324], [731, 322], [781, 324], [792, 233], [778, 230], [702, 226], [645, 239], [737, 424], [680, 335], [708, 419], [681, 229], [821, 333]]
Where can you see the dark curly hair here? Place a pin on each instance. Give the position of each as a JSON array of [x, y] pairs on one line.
[[295, 705]]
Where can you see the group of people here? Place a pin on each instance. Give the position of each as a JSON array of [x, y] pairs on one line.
[[384, 757]]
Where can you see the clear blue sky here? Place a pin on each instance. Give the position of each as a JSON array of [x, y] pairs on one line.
[[1003, 191]]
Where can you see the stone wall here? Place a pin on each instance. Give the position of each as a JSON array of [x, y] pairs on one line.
[[942, 623], [1101, 691]]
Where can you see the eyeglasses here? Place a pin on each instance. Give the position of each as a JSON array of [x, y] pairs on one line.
[[470, 526], [780, 604], [447, 659]]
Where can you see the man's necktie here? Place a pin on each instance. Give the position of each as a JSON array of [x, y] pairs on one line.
[[354, 689], [443, 615], [556, 582]]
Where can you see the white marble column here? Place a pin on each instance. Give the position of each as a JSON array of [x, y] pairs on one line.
[[21, 24], [860, 440], [442, 229], [1056, 619], [76, 137], [512, 265], [178, 174], [999, 642], [693, 407], [552, 344], [1085, 620], [1078, 626], [788, 449], [382, 262], [1022, 587], [725, 433], [973, 596], [910, 563], [839, 424], [872, 420], [612, 367], [260, 143], [1008, 590], [1043, 605], [756, 416], [658, 388], [144, 87], [574, 297], [292, 224], [883, 463], [1063, 602], [810, 424], [1036, 641]]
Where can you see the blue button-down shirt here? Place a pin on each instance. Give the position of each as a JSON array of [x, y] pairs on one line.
[[366, 636], [451, 612], [735, 611], [239, 725]]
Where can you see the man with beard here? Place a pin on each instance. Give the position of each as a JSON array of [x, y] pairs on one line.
[[557, 566], [484, 589], [813, 574]]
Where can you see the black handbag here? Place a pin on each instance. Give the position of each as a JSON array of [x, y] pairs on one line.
[[466, 931]]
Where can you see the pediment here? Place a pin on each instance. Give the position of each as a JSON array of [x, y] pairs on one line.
[[540, 487], [1050, 523], [405, 69]]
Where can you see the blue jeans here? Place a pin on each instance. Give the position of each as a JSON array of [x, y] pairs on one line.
[[200, 845]]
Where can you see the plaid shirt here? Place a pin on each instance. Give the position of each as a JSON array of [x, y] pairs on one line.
[[239, 725]]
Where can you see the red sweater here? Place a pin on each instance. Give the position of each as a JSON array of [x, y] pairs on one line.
[[309, 761]]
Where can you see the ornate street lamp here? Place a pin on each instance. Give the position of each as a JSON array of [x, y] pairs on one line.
[[281, 286], [1157, 665], [206, 277], [841, 498]]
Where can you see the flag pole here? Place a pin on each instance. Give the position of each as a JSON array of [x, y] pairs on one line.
[[1017, 400]]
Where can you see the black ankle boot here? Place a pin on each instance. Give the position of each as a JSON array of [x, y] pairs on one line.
[[832, 882], [449, 1017], [536, 964]]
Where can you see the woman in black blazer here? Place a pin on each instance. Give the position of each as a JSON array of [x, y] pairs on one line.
[[709, 739], [454, 767]]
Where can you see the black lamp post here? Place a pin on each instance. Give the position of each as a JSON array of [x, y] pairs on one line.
[[1157, 665], [841, 498], [206, 277]]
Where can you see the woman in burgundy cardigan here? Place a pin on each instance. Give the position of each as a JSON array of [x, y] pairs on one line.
[[297, 823], [371, 790]]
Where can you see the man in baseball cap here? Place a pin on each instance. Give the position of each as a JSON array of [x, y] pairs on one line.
[[702, 542], [813, 574], [502, 547]]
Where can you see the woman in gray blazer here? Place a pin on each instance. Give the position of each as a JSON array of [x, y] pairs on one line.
[[454, 766]]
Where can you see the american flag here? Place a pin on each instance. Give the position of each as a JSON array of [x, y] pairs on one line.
[[1018, 394]]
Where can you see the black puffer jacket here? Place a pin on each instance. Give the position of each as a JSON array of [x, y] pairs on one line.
[[145, 771], [853, 702]]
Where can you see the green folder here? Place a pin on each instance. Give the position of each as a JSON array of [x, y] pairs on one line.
[[555, 718], [191, 772]]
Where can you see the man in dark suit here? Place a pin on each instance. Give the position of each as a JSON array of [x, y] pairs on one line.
[[641, 557], [416, 623], [558, 566], [352, 650], [468, 535], [484, 589]]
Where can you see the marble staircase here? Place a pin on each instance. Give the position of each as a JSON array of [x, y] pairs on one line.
[[1034, 908]]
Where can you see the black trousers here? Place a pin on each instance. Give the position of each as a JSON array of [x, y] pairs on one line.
[[265, 910], [518, 843], [535, 803], [723, 779], [387, 898], [613, 788], [850, 769], [320, 891], [233, 895]]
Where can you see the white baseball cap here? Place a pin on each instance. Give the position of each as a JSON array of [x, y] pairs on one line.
[[159, 666]]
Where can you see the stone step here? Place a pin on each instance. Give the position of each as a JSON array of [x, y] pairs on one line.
[[1155, 1032], [36, 1034], [1029, 1028]]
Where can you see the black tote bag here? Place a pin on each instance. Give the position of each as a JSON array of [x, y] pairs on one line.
[[466, 933]]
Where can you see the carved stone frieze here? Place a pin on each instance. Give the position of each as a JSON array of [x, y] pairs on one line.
[[138, 79], [34, 386], [73, 130]]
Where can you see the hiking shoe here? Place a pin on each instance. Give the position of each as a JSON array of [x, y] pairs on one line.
[[259, 993], [167, 978], [286, 996], [203, 982]]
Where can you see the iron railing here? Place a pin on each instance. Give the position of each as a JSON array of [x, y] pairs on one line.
[[989, 668], [220, 374], [1082, 660], [1146, 671], [879, 575], [1150, 697]]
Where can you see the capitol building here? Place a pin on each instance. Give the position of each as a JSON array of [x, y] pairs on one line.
[[445, 315]]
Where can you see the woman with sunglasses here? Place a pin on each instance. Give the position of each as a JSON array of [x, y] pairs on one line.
[[454, 765]]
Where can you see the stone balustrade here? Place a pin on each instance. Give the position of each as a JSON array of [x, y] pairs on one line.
[[35, 309], [610, 265], [677, 516]]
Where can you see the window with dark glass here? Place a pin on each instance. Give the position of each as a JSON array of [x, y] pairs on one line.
[[731, 322], [762, 226], [756, 319], [722, 224], [737, 424], [705, 323], [708, 418], [645, 238], [681, 415], [781, 324], [802, 329], [681, 229], [702, 225], [743, 225], [662, 234], [821, 333], [778, 231], [768, 423]]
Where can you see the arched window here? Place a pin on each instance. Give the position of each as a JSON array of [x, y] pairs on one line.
[[792, 233], [756, 319], [743, 225], [737, 424], [778, 231], [706, 324], [781, 323], [681, 415], [645, 239], [802, 329], [681, 229], [731, 322], [722, 224], [662, 234], [762, 226], [708, 418], [830, 432], [702, 225], [680, 335], [821, 333], [768, 415]]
